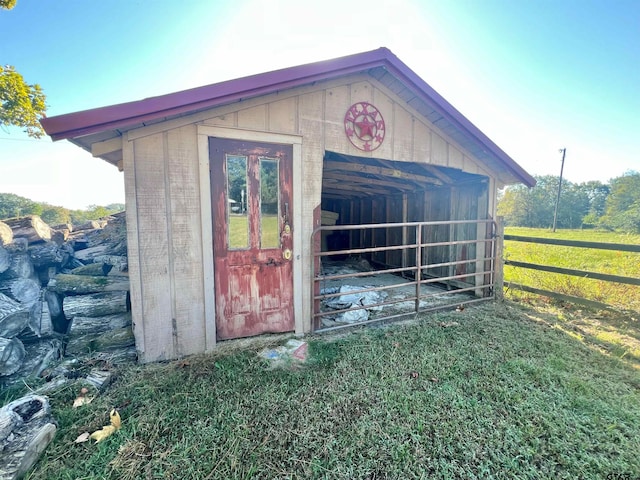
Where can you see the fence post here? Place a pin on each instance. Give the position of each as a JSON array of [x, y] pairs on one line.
[[498, 284]]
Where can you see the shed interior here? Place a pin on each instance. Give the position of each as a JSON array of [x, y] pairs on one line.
[[367, 192], [373, 191]]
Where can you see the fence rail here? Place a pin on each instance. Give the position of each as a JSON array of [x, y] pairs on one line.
[[619, 247]]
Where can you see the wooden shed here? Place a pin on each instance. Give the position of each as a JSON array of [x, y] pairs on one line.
[[243, 196]]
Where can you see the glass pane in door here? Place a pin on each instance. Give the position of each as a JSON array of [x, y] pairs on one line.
[[269, 195], [238, 220]]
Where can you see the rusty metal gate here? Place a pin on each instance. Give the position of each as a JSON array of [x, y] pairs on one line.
[[399, 269]]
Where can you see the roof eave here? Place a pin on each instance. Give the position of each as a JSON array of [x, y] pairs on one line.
[[201, 98], [126, 115]]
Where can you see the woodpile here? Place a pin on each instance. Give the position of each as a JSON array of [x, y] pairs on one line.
[[26, 428], [64, 296]]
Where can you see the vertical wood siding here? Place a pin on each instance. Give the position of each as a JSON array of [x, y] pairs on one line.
[[162, 180]]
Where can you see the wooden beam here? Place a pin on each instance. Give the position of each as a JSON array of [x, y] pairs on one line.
[[437, 172], [340, 193], [106, 146], [575, 273], [387, 172], [351, 187], [622, 247], [402, 186]]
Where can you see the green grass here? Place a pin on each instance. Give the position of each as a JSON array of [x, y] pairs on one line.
[[503, 392], [239, 231], [621, 296]]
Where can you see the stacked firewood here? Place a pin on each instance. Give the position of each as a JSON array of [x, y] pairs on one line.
[[64, 295]]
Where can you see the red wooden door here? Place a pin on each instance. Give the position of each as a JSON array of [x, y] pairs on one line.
[[252, 239]]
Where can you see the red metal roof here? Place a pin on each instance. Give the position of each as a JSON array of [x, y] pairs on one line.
[[118, 116]]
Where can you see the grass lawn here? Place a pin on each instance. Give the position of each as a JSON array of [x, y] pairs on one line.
[[239, 231], [499, 390], [625, 297]]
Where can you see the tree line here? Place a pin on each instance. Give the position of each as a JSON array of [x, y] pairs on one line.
[[12, 205], [614, 205]]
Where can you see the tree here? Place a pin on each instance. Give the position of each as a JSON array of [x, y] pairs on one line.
[[623, 203], [21, 104], [12, 205], [533, 207]]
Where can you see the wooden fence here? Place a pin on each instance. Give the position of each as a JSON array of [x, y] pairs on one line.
[[619, 247]]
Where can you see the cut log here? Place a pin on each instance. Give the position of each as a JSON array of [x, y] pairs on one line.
[[49, 253], [93, 269], [73, 263], [5, 259], [12, 355], [54, 302], [13, 324], [13, 317], [100, 334], [83, 284], [88, 225], [6, 234], [97, 325], [26, 429], [96, 304], [86, 255], [39, 357], [120, 263], [59, 237], [20, 266], [63, 226], [106, 342], [23, 290], [7, 305], [33, 228], [39, 324]]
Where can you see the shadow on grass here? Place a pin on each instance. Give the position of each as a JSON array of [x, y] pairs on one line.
[[611, 332]]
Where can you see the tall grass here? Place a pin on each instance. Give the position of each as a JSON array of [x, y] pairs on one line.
[[622, 296]]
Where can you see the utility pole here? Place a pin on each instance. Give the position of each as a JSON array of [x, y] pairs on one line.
[[555, 212]]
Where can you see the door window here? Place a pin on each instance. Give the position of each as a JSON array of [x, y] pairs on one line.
[[269, 195], [237, 210]]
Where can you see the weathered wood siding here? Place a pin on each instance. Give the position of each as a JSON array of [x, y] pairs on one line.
[[165, 240], [169, 236]]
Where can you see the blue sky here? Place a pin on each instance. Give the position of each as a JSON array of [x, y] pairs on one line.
[[535, 76]]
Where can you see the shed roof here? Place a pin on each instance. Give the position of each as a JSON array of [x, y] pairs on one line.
[[100, 124]]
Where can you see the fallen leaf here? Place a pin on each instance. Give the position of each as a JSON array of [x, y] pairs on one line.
[[434, 379], [105, 432], [82, 400], [115, 419], [83, 437], [108, 430]]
